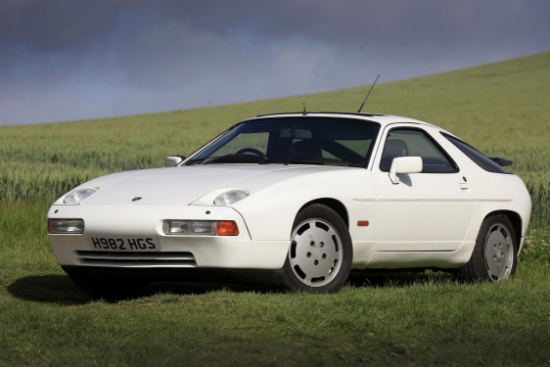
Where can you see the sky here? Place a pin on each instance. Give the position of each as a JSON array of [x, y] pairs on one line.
[[63, 60]]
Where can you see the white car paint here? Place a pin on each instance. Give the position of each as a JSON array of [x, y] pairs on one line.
[[420, 220]]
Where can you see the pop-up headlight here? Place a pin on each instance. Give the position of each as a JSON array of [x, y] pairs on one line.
[[78, 195], [230, 197]]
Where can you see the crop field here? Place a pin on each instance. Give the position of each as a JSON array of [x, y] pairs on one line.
[[419, 319]]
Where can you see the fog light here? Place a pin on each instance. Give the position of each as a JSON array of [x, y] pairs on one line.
[[65, 226]]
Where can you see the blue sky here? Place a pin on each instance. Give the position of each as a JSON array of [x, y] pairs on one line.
[[64, 60]]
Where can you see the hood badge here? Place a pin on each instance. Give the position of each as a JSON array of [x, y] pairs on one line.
[[137, 198]]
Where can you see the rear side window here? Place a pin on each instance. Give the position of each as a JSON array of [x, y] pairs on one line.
[[475, 155]]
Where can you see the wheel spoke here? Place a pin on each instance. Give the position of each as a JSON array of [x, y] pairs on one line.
[[498, 252], [317, 254]]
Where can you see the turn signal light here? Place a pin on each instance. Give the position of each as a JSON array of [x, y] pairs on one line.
[[227, 228]]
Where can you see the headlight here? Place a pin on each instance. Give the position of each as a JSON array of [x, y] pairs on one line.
[[230, 197], [65, 226], [200, 227], [79, 195]]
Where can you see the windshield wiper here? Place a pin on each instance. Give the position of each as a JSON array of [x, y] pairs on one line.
[[319, 161], [235, 158], [270, 161], [194, 161]]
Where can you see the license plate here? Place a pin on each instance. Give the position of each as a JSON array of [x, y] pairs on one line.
[[124, 244]]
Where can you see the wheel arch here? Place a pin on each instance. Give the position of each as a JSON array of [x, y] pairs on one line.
[[514, 218], [479, 265], [334, 204]]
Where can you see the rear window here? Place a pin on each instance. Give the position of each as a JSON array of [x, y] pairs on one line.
[[475, 155]]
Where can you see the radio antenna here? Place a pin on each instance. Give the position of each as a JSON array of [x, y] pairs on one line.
[[368, 94]]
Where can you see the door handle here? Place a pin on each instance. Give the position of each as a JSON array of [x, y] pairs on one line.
[[464, 184]]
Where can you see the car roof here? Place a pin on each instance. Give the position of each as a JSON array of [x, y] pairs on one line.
[[382, 119]]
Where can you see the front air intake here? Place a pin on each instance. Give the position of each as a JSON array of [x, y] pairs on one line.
[[136, 259]]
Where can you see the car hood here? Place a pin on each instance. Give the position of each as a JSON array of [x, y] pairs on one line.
[[191, 184]]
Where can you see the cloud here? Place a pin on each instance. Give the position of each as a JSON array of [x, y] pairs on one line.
[[76, 59]]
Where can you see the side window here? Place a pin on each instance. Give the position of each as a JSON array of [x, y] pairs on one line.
[[416, 143], [479, 158]]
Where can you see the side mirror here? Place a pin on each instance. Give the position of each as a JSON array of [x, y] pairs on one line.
[[404, 165], [173, 160]]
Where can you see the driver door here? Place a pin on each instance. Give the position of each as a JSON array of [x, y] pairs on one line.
[[427, 211]]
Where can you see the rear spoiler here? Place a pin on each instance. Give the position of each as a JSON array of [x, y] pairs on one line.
[[501, 161]]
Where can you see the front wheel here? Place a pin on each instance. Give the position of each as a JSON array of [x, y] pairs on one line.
[[495, 253], [320, 255]]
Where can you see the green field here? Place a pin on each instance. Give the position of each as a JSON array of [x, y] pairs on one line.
[[381, 319]]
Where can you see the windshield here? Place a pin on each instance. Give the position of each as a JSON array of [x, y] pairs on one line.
[[293, 140]]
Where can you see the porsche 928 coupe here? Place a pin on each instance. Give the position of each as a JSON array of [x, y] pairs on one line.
[[298, 200]]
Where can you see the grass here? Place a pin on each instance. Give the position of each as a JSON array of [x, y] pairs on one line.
[[409, 320], [499, 108], [422, 319]]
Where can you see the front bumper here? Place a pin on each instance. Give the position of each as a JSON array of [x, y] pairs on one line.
[[176, 251]]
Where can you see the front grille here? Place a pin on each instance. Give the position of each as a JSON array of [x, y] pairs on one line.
[[129, 259]]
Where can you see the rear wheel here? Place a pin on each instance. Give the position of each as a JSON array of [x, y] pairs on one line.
[[320, 254], [495, 253]]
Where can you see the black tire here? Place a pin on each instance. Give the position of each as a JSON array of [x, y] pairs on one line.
[[495, 254], [320, 255]]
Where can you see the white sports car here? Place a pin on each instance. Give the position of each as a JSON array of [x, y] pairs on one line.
[[298, 200]]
